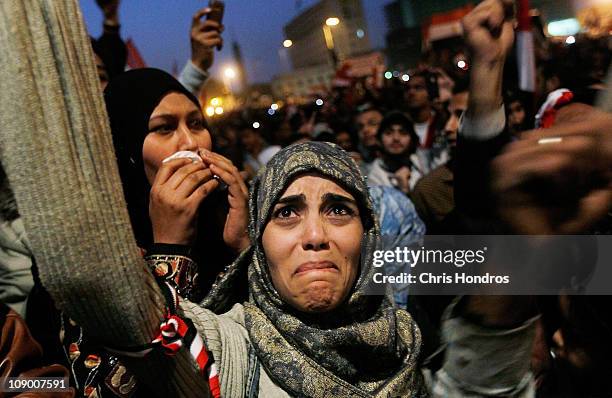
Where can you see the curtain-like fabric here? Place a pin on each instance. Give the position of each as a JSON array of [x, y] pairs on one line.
[[56, 149]]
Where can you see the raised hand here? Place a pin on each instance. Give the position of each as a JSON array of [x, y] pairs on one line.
[[109, 8], [205, 36], [557, 180], [489, 34], [489, 30]]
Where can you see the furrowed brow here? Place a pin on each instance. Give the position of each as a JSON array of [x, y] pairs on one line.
[[336, 198], [193, 113], [301, 198]]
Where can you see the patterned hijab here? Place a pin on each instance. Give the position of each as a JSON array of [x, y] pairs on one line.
[[363, 348]]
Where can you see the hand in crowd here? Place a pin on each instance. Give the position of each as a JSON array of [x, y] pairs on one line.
[[403, 178], [235, 233], [557, 180], [109, 8], [489, 31], [205, 36], [177, 192]]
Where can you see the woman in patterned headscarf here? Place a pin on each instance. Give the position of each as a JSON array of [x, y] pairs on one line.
[[310, 328]]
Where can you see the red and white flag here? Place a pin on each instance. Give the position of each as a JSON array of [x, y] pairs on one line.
[[134, 59], [445, 24], [525, 49]]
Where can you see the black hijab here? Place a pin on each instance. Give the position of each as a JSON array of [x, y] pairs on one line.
[[130, 100]]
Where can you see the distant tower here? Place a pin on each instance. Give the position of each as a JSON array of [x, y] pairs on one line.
[[242, 77]]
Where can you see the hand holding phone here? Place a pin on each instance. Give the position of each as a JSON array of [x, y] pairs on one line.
[[216, 14], [206, 34]]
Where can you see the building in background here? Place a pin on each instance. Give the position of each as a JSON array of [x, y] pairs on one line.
[[317, 49], [306, 31], [303, 82], [403, 38], [415, 25], [313, 80]]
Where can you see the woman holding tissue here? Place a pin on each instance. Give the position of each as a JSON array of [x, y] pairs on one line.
[[173, 184], [178, 208]]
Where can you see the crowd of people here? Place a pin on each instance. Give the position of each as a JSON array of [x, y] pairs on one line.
[[267, 233]]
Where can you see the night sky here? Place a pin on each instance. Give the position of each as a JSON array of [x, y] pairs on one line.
[[160, 29]]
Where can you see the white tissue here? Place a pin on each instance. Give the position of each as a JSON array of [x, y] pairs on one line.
[[184, 154]]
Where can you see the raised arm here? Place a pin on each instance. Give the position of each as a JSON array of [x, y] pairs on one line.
[[205, 35], [57, 152], [488, 32]]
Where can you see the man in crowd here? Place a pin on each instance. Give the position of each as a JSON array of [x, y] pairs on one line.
[[515, 115], [433, 194], [421, 91], [257, 152], [398, 166], [367, 123]]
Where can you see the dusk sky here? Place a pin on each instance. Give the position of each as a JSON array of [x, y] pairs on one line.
[[160, 29]]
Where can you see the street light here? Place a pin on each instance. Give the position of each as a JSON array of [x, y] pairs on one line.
[[283, 55], [333, 21], [329, 38], [229, 72]]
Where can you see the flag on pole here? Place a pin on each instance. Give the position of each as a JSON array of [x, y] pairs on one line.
[[525, 49], [134, 59], [445, 24]]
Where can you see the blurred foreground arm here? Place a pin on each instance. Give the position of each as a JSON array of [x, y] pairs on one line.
[[557, 180], [74, 214], [488, 338], [489, 35]]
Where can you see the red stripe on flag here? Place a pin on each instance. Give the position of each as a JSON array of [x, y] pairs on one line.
[[202, 359], [215, 388], [444, 18], [134, 59], [523, 18], [525, 48]]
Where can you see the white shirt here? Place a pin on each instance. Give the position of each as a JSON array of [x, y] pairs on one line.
[[421, 131]]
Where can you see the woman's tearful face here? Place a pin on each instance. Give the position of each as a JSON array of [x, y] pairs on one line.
[[312, 244], [176, 124]]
